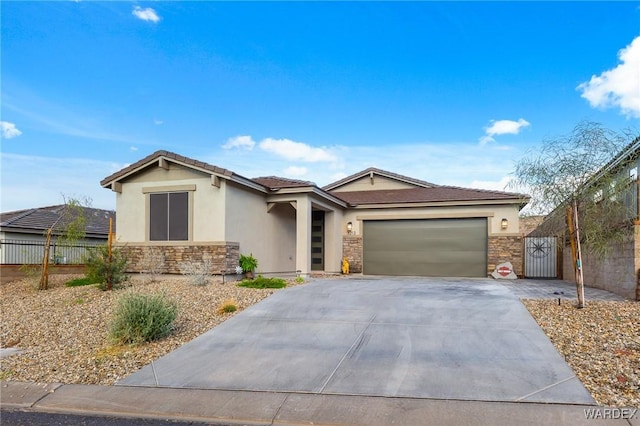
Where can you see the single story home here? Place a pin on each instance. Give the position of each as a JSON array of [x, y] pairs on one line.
[[382, 222], [23, 234]]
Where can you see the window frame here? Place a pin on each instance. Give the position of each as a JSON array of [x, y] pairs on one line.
[[188, 215]]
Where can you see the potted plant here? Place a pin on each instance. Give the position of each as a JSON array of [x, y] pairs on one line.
[[248, 264]]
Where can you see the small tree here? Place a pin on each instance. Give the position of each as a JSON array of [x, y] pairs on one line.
[[71, 226], [106, 266], [572, 176]]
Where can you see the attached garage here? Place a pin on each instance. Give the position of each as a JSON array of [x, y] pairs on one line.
[[426, 247]]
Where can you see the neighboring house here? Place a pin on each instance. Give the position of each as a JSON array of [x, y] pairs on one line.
[[618, 271], [382, 222], [23, 234]]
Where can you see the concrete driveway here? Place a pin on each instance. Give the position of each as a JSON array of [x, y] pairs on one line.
[[468, 339]]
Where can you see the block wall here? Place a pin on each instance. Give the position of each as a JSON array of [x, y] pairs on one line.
[[617, 272]]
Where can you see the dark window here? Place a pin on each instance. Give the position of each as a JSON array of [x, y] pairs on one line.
[[169, 216]]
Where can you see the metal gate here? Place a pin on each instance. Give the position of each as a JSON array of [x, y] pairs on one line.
[[540, 257]]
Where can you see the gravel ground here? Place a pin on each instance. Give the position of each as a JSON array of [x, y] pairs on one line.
[[601, 343], [63, 333]]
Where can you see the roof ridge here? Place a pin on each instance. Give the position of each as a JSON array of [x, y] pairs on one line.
[[25, 213], [284, 178], [387, 173]]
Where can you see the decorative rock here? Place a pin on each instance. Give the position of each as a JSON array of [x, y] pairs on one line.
[[504, 271]]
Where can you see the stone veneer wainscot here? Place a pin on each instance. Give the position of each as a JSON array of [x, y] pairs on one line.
[[224, 256]]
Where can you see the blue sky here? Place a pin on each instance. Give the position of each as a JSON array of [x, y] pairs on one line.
[[452, 93]]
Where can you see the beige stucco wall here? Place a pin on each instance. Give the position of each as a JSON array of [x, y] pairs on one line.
[[333, 231], [269, 236], [207, 217], [494, 214], [379, 182]]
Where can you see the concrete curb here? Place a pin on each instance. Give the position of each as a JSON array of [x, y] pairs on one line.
[[281, 408]]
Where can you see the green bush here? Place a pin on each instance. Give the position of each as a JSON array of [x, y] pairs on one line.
[[107, 270], [142, 318], [248, 263], [80, 282], [262, 282]]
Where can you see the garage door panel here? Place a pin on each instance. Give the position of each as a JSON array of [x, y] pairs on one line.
[[438, 247]]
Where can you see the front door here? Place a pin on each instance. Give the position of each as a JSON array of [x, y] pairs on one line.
[[317, 240]]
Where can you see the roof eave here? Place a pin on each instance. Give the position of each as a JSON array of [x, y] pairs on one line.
[[314, 190], [219, 172], [447, 203]]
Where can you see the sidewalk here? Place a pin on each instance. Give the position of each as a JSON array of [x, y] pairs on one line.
[[281, 408]]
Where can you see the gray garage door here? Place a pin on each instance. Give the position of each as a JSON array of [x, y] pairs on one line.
[[434, 247]]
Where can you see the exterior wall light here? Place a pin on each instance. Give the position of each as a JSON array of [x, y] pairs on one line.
[[349, 228], [504, 224]]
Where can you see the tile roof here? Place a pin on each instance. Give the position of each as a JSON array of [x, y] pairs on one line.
[[275, 182], [40, 219], [424, 195], [381, 172], [167, 154]]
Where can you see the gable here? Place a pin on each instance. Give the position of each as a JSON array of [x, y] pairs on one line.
[[374, 182], [172, 172], [373, 179]]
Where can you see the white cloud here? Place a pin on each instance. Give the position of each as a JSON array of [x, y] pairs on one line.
[[459, 164], [617, 87], [157, 122], [133, 148], [296, 151], [147, 14], [295, 171], [502, 127], [9, 130], [499, 185], [23, 189], [242, 142]]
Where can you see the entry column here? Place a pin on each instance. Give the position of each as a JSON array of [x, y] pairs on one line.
[[303, 235]]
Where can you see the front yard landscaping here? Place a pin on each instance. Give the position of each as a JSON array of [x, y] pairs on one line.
[[600, 342], [64, 332]]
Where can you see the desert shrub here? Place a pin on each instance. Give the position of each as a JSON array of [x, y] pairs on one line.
[[228, 306], [152, 264], [78, 282], [140, 318], [198, 273], [299, 280], [262, 282], [107, 270]]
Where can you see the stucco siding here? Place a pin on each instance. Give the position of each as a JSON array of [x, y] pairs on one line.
[[209, 213], [269, 236], [494, 214], [334, 229], [207, 205]]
